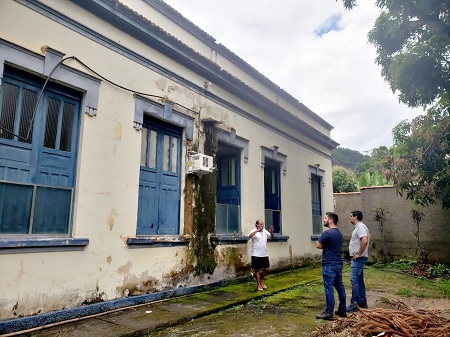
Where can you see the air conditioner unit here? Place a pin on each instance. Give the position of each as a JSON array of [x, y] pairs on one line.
[[200, 164]]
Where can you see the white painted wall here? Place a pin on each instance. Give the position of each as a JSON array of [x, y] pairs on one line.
[[105, 209]]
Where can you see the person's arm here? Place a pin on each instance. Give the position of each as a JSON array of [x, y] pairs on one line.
[[320, 243], [271, 232], [252, 233], [362, 248]]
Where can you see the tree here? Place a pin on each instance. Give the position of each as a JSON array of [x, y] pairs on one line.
[[420, 164], [374, 162], [343, 180], [412, 41], [374, 179]]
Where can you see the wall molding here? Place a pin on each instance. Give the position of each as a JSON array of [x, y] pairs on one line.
[[273, 153], [42, 65], [230, 137], [144, 106]]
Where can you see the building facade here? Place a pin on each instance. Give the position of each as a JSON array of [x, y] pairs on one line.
[[105, 105]]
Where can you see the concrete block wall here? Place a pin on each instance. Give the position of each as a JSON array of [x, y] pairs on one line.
[[399, 227]]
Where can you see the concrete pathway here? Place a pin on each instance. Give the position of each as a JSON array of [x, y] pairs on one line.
[[144, 319]]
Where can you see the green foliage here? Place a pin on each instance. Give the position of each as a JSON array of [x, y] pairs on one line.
[[374, 179], [412, 42], [420, 164], [379, 264], [349, 4], [374, 162], [412, 39], [344, 180], [402, 264], [346, 158], [439, 270]]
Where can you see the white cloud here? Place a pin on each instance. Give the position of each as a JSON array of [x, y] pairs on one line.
[[333, 74]]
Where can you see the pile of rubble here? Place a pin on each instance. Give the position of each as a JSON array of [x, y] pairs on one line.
[[402, 321]]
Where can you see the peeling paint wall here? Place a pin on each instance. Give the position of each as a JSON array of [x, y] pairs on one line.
[[399, 227], [106, 195]]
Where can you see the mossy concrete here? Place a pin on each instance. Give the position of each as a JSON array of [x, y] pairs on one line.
[[286, 312], [292, 288], [204, 218]]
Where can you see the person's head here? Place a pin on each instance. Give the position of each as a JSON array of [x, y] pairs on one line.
[[356, 216], [331, 218], [259, 224]]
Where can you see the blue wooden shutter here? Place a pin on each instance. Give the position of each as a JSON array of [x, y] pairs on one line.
[[159, 182], [316, 203], [40, 169]]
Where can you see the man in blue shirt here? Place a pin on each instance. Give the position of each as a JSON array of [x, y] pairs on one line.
[[332, 264]]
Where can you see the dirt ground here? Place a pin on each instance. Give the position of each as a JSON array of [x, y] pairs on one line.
[[375, 300]]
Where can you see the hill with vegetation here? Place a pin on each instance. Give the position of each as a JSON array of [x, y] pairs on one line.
[[346, 158]]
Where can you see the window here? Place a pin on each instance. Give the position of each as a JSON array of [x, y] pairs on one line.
[[37, 154], [228, 209], [160, 177], [272, 194], [316, 200]]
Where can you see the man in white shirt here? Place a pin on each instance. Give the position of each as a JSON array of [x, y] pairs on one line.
[[359, 251], [260, 258]]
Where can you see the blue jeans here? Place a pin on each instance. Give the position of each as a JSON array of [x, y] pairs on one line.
[[332, 277], [357, 280]]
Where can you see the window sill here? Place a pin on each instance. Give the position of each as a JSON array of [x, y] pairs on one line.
[[315, 237], [233, 239], [157, 241], [41, 244], [279, 238], [230, 239]]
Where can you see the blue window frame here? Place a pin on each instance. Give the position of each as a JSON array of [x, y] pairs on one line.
[[316, 200], [37, 154], [228, 209], [272, 194], [160, 177]]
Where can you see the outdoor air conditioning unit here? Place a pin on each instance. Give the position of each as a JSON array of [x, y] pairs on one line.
[[200, 164]]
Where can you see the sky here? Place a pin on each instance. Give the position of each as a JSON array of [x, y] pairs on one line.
[[316, 51]]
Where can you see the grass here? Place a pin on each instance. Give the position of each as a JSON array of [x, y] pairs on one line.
[[393, 280], [444, 286]]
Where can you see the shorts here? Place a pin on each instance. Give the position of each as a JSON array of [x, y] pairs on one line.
[[259, 263]]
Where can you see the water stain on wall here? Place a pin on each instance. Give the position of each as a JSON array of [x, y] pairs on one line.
[[233, 260], [125, 269], [161, 83], [137, 285], [179, 277], [21, 270], [111, 219], [118, 131]]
